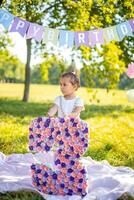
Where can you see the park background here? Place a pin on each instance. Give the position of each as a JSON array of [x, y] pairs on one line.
[[102, 71]]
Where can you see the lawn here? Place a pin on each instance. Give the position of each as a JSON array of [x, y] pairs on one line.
[[110, 117]]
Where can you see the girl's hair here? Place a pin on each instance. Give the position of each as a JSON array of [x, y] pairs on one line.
[[73, 78]]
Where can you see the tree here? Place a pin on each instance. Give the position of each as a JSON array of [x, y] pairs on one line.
[[105, 67], [36, 74], [32, 11], [11, 68], [52, 68], [75, 15], [88, 15]]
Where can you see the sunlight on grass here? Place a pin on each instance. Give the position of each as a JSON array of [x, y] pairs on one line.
[[41, 93], [110, 121]]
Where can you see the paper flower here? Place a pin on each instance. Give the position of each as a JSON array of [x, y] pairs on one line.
[[71, 136], [130, 70]]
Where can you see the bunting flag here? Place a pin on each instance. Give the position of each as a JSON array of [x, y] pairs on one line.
[[51, 35], [65, 37], [124, 29], [95, 37], [20, 26], [81, 38], [110, 34], [35, 31], [131, 22], [5, 18]]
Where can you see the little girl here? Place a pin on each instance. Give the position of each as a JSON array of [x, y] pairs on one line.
[[68, 104]]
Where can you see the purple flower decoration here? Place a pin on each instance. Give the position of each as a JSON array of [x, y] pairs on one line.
[[39, 119], [62, 185], [62, 120], [31, 148], [38, 126], [72, 162], [66, 157], [57, 162], [74, 124], [31, 136], [61, 142], [79, 190], [83, 171], [54, 176], [70, 170], [85, 130], [63, 165], [33, 166], [72, 119], [70, 192], [46, 174], [38, 171], [47, 148]]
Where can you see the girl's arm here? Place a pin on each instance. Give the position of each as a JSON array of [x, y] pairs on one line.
[[76, 112], [52, 111]]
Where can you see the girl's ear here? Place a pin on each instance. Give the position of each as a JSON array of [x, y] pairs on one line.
[[76, 87]]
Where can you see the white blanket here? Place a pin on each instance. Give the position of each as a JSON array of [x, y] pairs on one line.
[[105, 182]]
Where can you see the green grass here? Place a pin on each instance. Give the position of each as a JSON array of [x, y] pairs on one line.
[[111, 121], [21, 195]]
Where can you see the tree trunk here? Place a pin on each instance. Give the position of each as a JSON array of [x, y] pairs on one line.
[[27, 71], [1, 2]]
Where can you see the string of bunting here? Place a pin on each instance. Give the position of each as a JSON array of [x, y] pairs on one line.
[[65, 37]]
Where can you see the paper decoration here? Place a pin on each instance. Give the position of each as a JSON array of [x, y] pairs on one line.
[[131, 22], [70, 136], [5, 18], [95, 37], [35, 31], [110, 34], [20, 26], [81, 38], [124, 29], [130, 70], [64, 37], [51, 35]]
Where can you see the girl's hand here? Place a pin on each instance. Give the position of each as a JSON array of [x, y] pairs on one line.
[[74, 115]]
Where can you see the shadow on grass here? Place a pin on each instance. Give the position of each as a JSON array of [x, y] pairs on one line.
[[29, 195], [21, 195], [18, 108], [33, 109], [108, 110]]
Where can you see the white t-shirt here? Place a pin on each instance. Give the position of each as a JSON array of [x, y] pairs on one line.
[[67, 105]]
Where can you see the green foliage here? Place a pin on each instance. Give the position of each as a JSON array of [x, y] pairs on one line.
[[36, 74], [51, 69], [125, 82], [11, 68], [84, 15], [5, 41], [89, 15], [106, 72]]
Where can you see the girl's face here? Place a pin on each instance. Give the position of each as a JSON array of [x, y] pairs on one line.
[[67, 88]]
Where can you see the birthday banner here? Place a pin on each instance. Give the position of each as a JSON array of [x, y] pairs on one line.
[[65, 37]]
